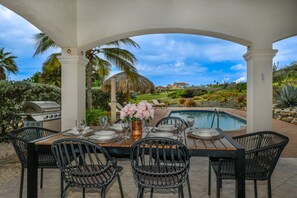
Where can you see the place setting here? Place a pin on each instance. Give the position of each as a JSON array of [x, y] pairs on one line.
[[205, 134], [79, 130], [112, 133]]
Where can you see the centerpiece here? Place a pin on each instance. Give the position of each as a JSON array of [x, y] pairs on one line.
[[137, 114]]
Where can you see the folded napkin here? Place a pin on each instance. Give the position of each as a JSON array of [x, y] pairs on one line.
[[73, 131]]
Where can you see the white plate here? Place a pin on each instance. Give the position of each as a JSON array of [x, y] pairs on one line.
[[206, 133], [103, 137], [105, 133], [162, 134], [117, 127]]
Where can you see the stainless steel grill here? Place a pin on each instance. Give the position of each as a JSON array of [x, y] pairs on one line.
[[42, 113]]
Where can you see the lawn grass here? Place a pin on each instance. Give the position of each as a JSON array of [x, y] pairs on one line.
[[150, 97]]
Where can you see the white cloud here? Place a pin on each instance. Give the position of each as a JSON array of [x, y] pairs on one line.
[[177, 68], [238, 67], [287, 51], [241, 79]]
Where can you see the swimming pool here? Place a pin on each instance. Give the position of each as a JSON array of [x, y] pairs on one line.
[[203, 119]]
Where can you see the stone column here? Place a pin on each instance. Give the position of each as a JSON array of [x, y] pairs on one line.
[[259, 89], [73, 91], [113, 100]]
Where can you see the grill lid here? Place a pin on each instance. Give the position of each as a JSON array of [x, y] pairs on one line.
[[41, 106]]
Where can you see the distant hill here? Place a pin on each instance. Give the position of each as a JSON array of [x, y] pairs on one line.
[[285, 75]]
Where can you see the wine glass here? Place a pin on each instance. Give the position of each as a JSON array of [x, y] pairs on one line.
[[80, 127], [191, 121], [179, 126], [103, 121], [126, 128]]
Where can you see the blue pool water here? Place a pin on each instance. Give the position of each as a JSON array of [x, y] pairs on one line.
[[203, 119]]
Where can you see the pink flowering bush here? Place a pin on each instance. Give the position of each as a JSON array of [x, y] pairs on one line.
[[142, 111]]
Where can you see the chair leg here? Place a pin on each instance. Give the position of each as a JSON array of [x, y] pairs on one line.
[[140, 192], [41, 178], [181, 192], [269, 188], [255, 188], [120, 186], [65, 191], [218, 187], [62, 185], [152, 192], [84, 192], [22, 183], [189, 187], [103, 192], [209, 178]]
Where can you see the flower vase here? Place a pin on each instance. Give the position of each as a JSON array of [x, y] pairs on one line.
[[136, 127]]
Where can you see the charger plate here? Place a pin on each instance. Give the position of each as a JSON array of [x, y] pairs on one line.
[[205, 134], [105, 138]]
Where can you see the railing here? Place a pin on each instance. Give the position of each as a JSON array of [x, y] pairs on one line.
[[216, 113]]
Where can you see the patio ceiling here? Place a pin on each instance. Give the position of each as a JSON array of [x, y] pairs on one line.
[[77, 26]]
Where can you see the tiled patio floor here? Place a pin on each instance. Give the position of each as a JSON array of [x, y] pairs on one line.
[[284, 183]]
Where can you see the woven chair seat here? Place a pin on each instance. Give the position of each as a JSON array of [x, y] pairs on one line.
[[252, 171], [160, 177]]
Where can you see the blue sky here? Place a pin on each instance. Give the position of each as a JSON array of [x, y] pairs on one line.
[[163, 58]]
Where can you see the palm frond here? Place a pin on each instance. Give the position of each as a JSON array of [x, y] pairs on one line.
[[124, 41], [43, 43]]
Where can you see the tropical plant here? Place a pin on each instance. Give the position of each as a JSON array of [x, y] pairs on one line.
[[286, 97], [7, 64], [100, 58], [13, 94]]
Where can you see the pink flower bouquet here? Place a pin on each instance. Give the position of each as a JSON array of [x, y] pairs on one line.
[[142, 111]]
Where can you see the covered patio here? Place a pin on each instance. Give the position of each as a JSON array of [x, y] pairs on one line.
[[77, 26]]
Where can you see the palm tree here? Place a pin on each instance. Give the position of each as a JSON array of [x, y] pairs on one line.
[[100, 58], [7, 64]]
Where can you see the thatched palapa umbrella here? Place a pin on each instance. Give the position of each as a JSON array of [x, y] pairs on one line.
[[133, 82]]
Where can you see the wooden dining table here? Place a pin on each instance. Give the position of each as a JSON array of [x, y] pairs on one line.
[[225, 147]]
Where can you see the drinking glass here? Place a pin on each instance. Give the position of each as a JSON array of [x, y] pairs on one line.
[[179, 126], [126, 129], [103, 121], [191, 121], [80, 127]]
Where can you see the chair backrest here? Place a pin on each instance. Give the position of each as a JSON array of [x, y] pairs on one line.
[[155, 102], [21, 137], [171, 120], [83, 163], [263, 150], [119, 106], [159, 162]]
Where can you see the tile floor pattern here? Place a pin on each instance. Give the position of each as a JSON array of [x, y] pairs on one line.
[[284, 183]]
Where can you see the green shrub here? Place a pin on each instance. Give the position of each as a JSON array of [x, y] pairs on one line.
[[101, 99], [13, 94], [286, 97], [93, 115]]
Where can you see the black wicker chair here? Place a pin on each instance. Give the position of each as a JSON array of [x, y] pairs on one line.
[[172, 120], [154, 168], [84, 164], [20, 139], [262, 151]]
